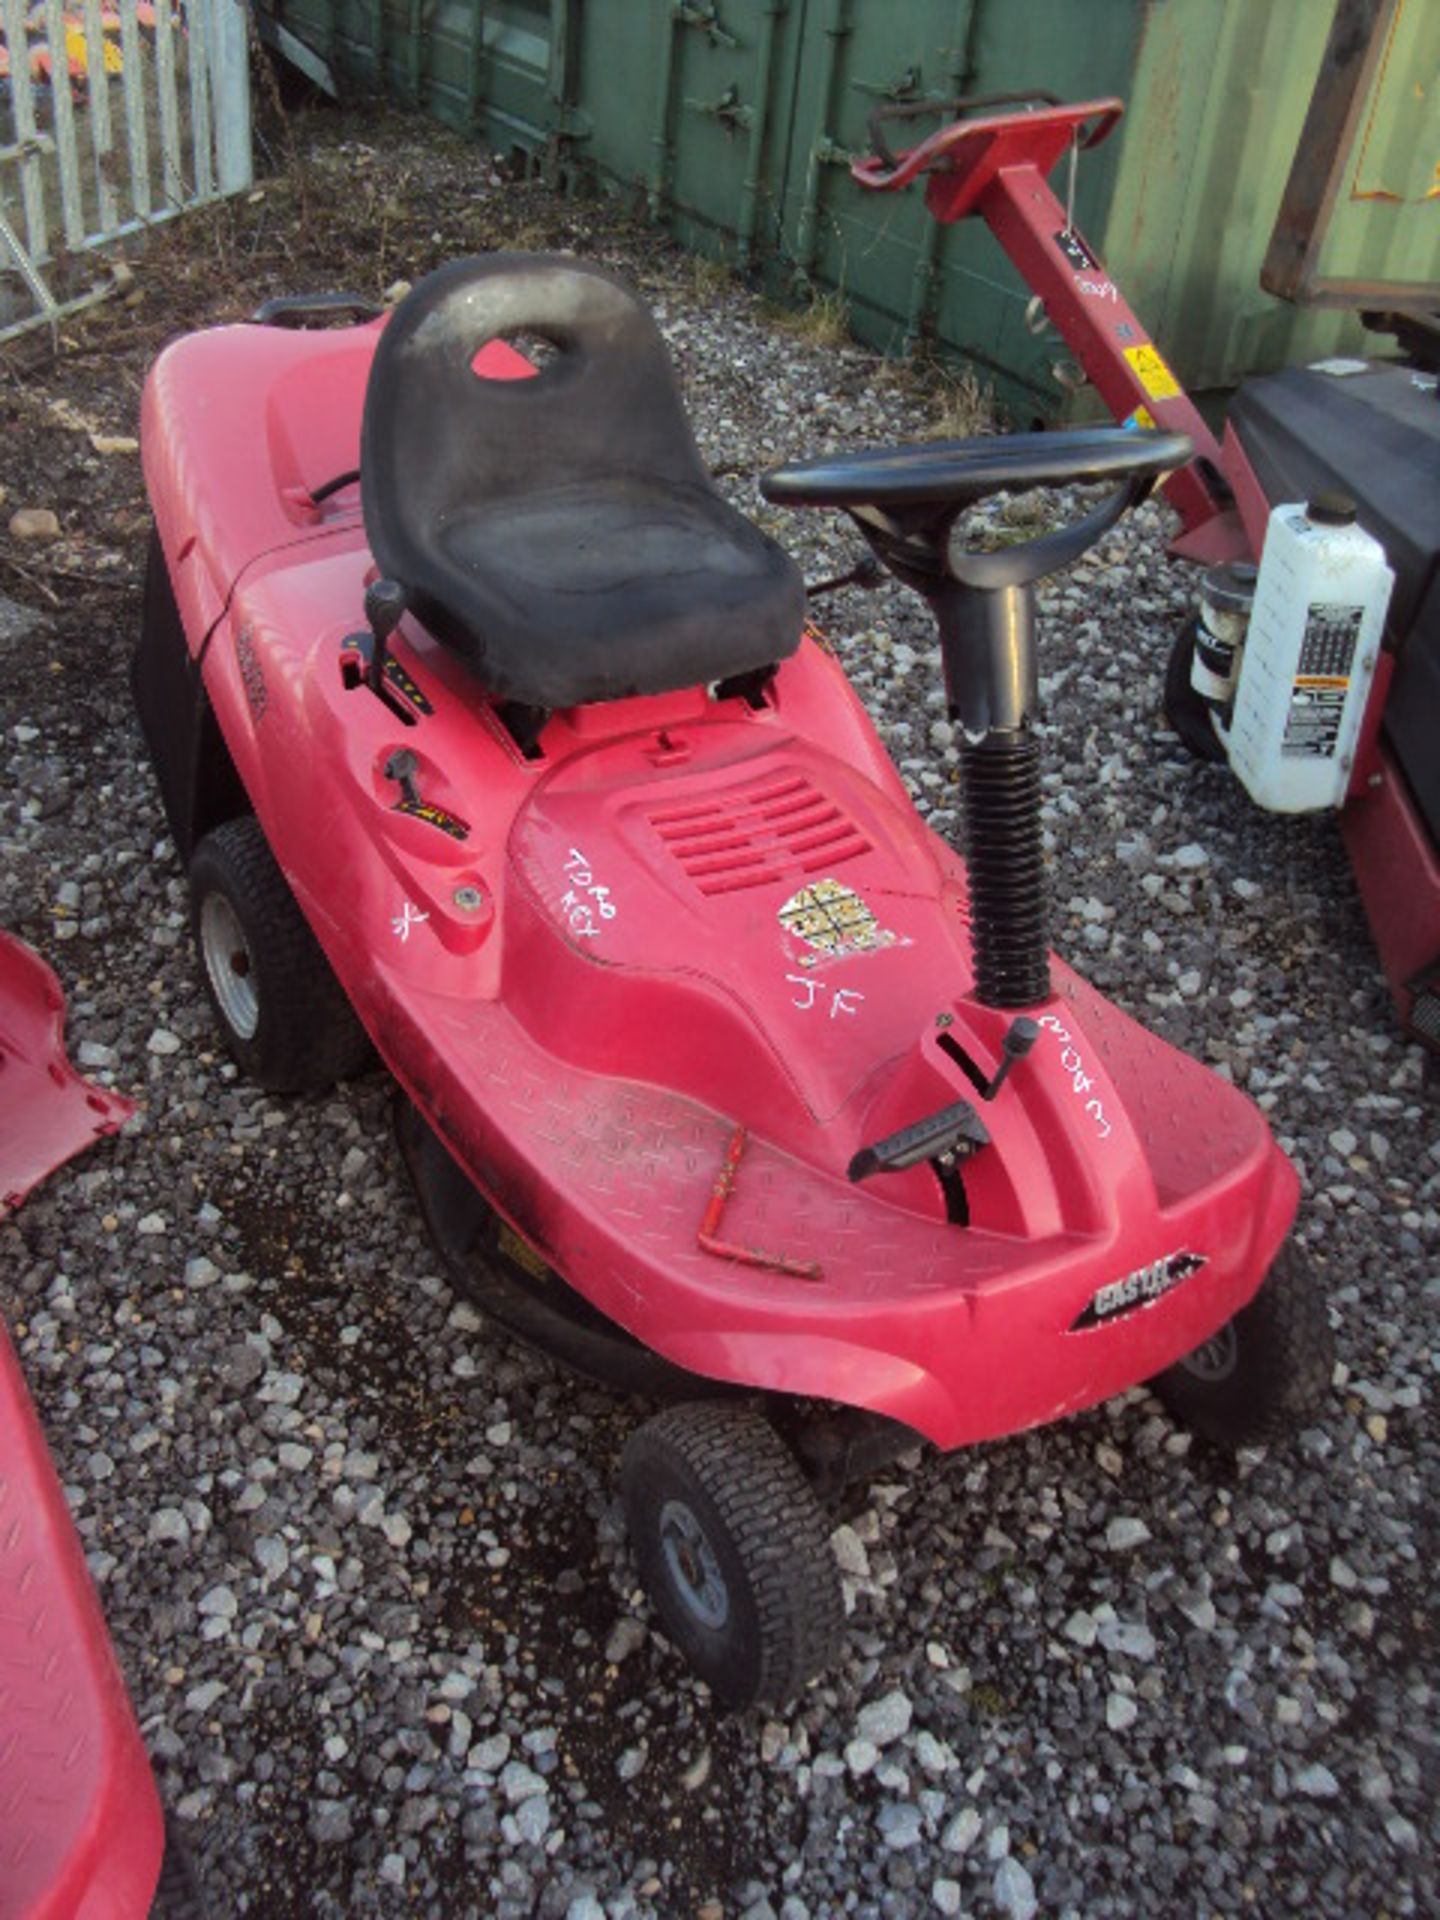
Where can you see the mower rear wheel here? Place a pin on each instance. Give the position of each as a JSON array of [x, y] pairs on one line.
[[279, 1006], [734, 1551], [1264, 1370], [1187, 712]]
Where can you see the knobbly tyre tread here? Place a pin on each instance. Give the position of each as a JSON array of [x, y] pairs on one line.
[[308, 1035], [1187, 713], [740, 1468], [1286, 1357]]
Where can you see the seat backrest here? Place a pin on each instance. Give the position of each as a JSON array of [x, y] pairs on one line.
[[438, 438]]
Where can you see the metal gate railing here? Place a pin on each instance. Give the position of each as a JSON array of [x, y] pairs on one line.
[[114, 114]]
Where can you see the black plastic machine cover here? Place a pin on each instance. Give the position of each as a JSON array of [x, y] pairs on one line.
[[1376, 436]]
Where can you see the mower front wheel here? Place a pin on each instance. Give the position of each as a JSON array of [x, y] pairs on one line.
[[279, 1006], [733, 1550], [1187, 712], [1263, 1371]]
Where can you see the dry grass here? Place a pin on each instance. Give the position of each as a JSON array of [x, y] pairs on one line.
[[963, 405], [824, 320], [708, 278], [958, 403]]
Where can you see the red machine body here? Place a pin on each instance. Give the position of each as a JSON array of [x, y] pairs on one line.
[[657, 980], [81, 1831]]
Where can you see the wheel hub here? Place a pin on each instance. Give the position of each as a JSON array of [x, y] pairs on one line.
[[692, 1565], [1216, 1359], [229, 965]]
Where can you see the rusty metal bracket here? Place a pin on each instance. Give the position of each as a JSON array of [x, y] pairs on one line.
[[709, 1234], [705, 15], [905, 87], [729, 110]]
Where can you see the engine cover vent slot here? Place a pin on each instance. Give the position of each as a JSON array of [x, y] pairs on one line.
[[759, 834]]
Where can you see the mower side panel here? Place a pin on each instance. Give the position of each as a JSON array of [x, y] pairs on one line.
[[81, 1832], [239, 426], [199, 786], [47, 1111], [1411, 724]]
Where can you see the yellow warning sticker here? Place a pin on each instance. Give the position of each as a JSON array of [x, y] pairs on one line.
[[521, 1252], [1141, 417], [1150, 370]]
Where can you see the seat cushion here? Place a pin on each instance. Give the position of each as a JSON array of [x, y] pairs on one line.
[[603, 589]]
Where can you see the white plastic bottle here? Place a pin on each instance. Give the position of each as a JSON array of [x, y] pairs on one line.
[[1309, 656]]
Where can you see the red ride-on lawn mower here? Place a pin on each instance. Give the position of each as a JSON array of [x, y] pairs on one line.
[[1309, 676], [492, 737]]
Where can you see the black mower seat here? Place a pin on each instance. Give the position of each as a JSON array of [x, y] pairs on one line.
[[559, 530]]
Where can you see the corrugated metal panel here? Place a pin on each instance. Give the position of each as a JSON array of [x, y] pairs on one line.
[[716, 99], [905, 275], [483, 66], [734, 120], [1360, 218], [1216, 108]]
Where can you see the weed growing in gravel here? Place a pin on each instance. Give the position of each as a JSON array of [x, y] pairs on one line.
[[709, 278], [958, 404], [964, 405], [824, 320]]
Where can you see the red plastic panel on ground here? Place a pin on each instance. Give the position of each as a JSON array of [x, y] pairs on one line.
[[80, 1824]]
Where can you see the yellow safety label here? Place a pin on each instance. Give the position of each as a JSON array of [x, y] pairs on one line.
[[1150, 370], [521, 1252]]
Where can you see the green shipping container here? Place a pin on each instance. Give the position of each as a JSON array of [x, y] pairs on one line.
[[733, 122]]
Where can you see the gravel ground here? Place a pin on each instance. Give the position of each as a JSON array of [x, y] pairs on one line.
[[362, 1557]]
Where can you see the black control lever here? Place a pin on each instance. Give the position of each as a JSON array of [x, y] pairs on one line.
[[385, 602], [1020, 1037], [957, 1129], [402, 767]]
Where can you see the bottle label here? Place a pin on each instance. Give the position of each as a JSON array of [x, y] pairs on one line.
[[1322, 681]]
